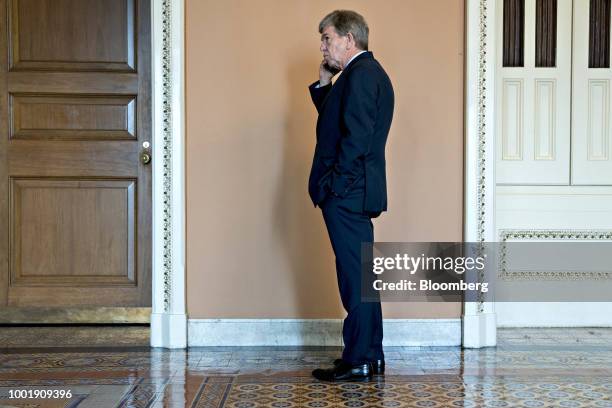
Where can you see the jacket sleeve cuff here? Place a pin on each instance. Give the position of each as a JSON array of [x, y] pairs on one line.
[[316, 89], [316, 85]]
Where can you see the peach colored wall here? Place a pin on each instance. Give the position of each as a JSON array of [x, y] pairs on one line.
[[256, 246]]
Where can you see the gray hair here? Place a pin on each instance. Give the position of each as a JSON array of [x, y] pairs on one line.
[[347, 21]]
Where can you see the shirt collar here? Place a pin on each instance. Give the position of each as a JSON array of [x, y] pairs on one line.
[[353, 57]]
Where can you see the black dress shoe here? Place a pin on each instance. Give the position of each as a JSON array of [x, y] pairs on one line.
[[344, 372], [377, 367]]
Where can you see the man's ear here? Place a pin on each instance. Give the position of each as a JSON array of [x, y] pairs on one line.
[[350, 41]]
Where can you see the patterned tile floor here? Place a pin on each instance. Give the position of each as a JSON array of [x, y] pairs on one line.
[[528, 368]]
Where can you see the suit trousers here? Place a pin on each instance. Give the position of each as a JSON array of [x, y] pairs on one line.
[[348, 226]]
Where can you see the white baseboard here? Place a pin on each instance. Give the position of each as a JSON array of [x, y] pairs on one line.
[[554, 314], [317, 332], [479, 330], [168, 330]]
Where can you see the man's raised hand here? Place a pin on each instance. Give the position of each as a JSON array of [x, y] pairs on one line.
[[326, 73]]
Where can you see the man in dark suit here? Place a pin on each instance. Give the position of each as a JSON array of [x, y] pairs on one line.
[[348, 180]]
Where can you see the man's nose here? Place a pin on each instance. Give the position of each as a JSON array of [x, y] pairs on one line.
[[322, 47]]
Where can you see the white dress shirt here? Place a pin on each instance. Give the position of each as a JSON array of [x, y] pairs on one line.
[[353, 57]]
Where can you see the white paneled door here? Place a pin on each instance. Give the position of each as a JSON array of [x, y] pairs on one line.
[[554, 155], [591, 147], [533, 97]]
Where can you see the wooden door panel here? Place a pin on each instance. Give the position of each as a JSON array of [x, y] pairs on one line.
[[64, 117], [75, 111], [64, 83], [72, 296], [66, 158], [72, 35], [72, 232]]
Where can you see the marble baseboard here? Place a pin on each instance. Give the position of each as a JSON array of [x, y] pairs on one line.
[[317, 332], [422, 332]]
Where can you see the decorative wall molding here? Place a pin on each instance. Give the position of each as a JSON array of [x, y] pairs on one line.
[[317, 332], [482, 124], [522, 235], [479, 182], [166, 158]]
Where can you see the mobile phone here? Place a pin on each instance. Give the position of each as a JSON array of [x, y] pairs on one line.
[[333, 70]]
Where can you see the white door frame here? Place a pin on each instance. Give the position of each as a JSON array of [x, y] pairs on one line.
[[168, 314], [479, 324], [168, 317]]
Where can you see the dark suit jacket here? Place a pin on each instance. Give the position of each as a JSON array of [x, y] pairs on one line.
[[354, 120]]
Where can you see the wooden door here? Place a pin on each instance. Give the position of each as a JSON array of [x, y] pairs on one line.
[[75, 117]]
